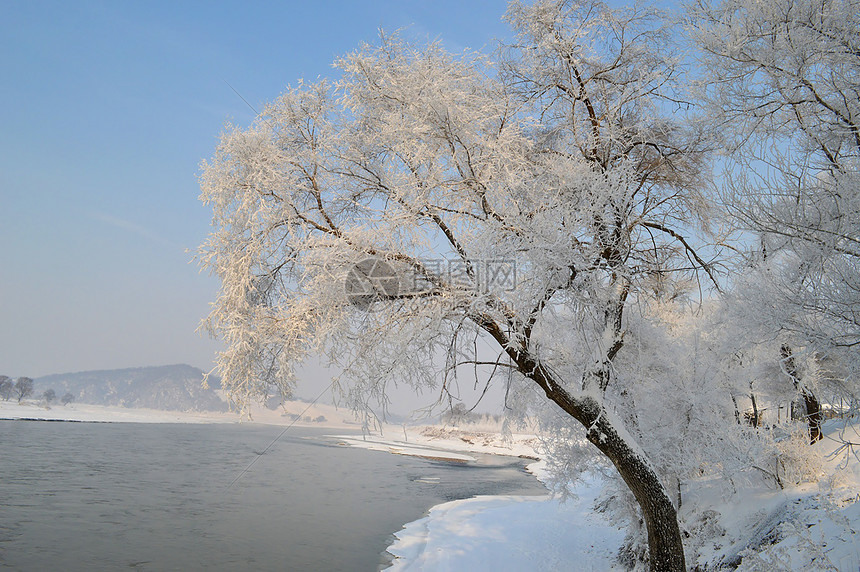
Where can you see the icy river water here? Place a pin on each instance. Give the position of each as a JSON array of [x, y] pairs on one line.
[[111, 496]]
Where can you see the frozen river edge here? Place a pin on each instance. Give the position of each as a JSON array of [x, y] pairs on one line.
[[498, 533]]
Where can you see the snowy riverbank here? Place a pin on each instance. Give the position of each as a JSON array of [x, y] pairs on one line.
[[803, 527], [510, 533], [498, 533]]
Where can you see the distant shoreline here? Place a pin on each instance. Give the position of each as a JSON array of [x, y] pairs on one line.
[[52, 420], [330, 417]]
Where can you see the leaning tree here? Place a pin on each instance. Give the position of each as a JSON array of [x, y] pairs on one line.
[[426, 201]]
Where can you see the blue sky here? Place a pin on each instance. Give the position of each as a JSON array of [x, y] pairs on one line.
[[106, 110]]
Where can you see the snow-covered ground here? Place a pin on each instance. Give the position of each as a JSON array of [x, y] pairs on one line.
[[510, 533], [805, 527], [402, 448], [437, 441], [497, 533]]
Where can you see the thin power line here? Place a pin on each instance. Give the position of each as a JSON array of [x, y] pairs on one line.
[[251, 464], [242, 98]]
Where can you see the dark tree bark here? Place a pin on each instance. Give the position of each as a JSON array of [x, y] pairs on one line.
[[814, 416], [665, 547], [754, 420], [737, 411], [813, 413]]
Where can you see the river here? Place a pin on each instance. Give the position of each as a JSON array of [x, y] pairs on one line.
[[109, 496]]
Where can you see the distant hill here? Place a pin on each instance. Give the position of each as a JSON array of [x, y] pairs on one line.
[[169, 387]]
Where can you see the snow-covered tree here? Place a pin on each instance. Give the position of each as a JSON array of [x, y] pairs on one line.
[[6, 387], [49, 396], [23, 388], [426, 204], [783, 78]]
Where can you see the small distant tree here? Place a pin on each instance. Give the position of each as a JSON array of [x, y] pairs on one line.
[[458, 414], [67, 398], [23, 388], [49, 396], [6, 387]]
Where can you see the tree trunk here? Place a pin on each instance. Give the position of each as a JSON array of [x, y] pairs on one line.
[[665, 547], [813, 413], [754, 420]]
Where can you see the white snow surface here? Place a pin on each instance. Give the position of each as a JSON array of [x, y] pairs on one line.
[[497, 533], [813, 526], [805, 527], [402, 448], [510, 533]]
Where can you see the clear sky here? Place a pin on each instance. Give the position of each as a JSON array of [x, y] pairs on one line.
[[106, 110]]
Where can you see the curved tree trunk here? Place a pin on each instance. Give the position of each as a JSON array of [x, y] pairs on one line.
[[665, 547]]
